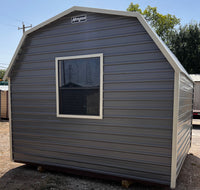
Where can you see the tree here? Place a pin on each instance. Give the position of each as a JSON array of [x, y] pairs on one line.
[[2, 72], [162, 24], [185, 44]]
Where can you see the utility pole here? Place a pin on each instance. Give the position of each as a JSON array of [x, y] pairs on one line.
[[24, 27]]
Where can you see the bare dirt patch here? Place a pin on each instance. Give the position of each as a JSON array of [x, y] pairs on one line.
[[14, 176], [5, 163]]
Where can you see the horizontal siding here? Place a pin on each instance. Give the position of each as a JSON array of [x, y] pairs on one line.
[[124, 40], [134, 137], [196, 96], [184, 119]]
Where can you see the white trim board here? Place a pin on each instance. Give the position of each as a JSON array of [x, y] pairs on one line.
[[163, 48], [10, 118], [174, 130], [100, 116]]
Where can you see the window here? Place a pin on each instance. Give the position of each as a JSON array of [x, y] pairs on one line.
[[79, 86]]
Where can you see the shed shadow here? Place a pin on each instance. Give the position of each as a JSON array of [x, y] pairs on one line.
[[27, 177]]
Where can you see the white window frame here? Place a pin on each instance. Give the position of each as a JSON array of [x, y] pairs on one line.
[[100, 116]]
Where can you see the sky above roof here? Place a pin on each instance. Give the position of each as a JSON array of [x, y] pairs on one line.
[[14, 12]]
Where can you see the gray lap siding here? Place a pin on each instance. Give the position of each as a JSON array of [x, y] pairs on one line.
[[134, 138]]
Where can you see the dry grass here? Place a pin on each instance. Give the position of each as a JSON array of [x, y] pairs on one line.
[[14, 176]]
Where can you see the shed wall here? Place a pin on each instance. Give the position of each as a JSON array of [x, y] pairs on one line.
[[134, 138], [184, 120], [196, 96], [4, 104]]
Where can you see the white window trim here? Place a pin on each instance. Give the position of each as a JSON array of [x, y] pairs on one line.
[[100, 116]]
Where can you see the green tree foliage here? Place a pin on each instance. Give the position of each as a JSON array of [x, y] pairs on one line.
[[162, 24], [2, 72], [185, 44]]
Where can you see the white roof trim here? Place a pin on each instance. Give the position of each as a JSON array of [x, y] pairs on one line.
[[163, 48], [195, 77]]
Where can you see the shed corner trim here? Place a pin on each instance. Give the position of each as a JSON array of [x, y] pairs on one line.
[[10, 119], [174, 130]]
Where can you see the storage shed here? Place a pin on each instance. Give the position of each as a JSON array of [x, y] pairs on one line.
[[4, 104], [3, 101], [97, 91], [196, 79]]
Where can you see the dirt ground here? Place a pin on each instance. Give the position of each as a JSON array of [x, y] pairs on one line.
[[14, 176]]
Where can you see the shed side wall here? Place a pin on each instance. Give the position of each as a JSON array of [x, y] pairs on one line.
[[134, 137], [196, 96], [184, 120]]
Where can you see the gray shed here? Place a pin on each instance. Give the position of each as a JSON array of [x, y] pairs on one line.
[[97, 91]]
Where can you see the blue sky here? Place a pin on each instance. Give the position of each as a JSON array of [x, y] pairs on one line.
[[13, 12]]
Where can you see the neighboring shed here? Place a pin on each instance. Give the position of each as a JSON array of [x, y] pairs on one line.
[[196, 79], [4, 104], [4, 101], [98, 91]]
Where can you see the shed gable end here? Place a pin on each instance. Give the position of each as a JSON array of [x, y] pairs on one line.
[[134, 138]]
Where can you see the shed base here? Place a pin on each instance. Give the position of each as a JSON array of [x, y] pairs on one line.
[[93, 175]]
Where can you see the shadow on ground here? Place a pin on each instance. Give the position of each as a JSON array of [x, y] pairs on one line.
[[27, 177]]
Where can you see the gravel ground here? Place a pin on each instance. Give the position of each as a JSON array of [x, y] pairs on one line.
[[14, 176]]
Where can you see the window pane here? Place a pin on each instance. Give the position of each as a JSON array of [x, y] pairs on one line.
[[79, 82]]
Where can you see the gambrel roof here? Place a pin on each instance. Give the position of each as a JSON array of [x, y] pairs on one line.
[[161, 45]]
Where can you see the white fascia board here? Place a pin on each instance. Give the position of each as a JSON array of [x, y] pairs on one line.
[[6, 75], [171, 58], [195, 77], [164, 49]]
